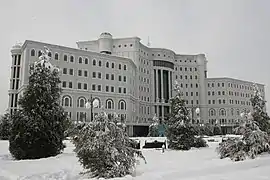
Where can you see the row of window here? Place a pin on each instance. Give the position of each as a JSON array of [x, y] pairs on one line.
[[144, 98], [186, 69], [81, 102], [125, 45], [220, 101], [81, 61], [143, 70], [186, 77], [231, 85], [224, 121], [218, 84], [95, 87], [144, 89], [223, 112], [191, 85], [144, 110], [219, 93], [248, 103], [223, 93], [144, 79], [192, 93]]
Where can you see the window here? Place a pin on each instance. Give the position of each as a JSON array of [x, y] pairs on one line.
[[125, 67], [56, 56], [223, 93], [67, 101], [81, 102], [119, 78], [79, 72], [125, 90], [222, 112], [224, 101], [196, 85], [99, 87], [107, 76], [86, 61], [219, 101], [212, 112], [195, 69], [125, 78], [219, 93], [218, 84], [33, 52], [222, 84], [79, 85], [39, 53], [93, 87], [70, 84], [109, 104], [119, 66], [196, 77], [107, 64], [65, 71], [197, 93], [64, 84], [209, 93], [85, 73], [122, 105], [71, 72], [65, 57], [112, 76], [107, 88], [85, 86], [99, 63], [94, 62], [94, 74], [190, 76], [112, 89], [71, 59], [112, 65], [190, 69], [99, 75], [119, 90]]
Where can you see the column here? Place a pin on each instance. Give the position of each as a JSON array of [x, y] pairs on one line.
[[169, 83], [162, 88], [156, 88]]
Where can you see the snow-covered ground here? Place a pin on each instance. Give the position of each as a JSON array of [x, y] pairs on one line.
[[196, 164]]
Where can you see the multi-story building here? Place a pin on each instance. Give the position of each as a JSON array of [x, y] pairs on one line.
[[124, 75], [227, 98]]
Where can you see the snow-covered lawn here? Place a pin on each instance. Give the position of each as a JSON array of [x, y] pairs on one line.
[[197, 164]]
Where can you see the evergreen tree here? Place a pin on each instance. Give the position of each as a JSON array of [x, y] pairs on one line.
[[153, 128], [104, 149], [217, 130], [254, 141], [180, 133], [5, 126], [259, 114], [38, 127]]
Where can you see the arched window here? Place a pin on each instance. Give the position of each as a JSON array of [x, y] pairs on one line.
[[122, 105], [232, 112], [222, 112], [56, 56], [99, 63], [80, 60], [212, 112], [50, 54], [39, 53], [107, 64], [86, 61], [99, 102], [109, 104], [94, 62], [81, 102], [71, 58], [65, 57], [33, 52], [67, 101]]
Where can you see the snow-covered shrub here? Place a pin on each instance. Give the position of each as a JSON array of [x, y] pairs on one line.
[[104, 149], [153, 128], [253, 142], [199, 142], [38, 127], [5, 127], [180, 132], [207, 130]]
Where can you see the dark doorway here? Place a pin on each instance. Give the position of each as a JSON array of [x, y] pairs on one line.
[[140, 131]]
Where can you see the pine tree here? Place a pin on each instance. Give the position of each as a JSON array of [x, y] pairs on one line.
[[254, 141], [5, 126], [259, 114], [180, 133], [153, 128], [38, 127], [104, 149]]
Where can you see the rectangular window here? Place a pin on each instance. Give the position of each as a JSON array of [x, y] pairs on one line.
[[107, 76], [93, 87], [119, 90], [64, 84], [99, 87], [125, 79], [125, 90], [94, 74], [65, 71], [197, 93], [112, 76], [99, 75], [85, 73], [85, 86], [107, 88], [209, 101], [79, 72], [79, 85], [119, 78], [70, 84], [112, 89], [71, 72]]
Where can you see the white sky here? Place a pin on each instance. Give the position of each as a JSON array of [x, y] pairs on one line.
[[234, 34]]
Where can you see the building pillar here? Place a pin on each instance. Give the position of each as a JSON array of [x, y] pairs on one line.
[[156, 88], [162, 86], [169, 84]]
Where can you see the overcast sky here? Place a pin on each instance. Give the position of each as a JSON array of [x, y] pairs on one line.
[[234, 34]]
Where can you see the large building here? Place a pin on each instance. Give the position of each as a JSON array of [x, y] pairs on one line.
[[130, 79]]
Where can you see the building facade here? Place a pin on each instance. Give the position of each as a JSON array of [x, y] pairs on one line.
[[125, 76]]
